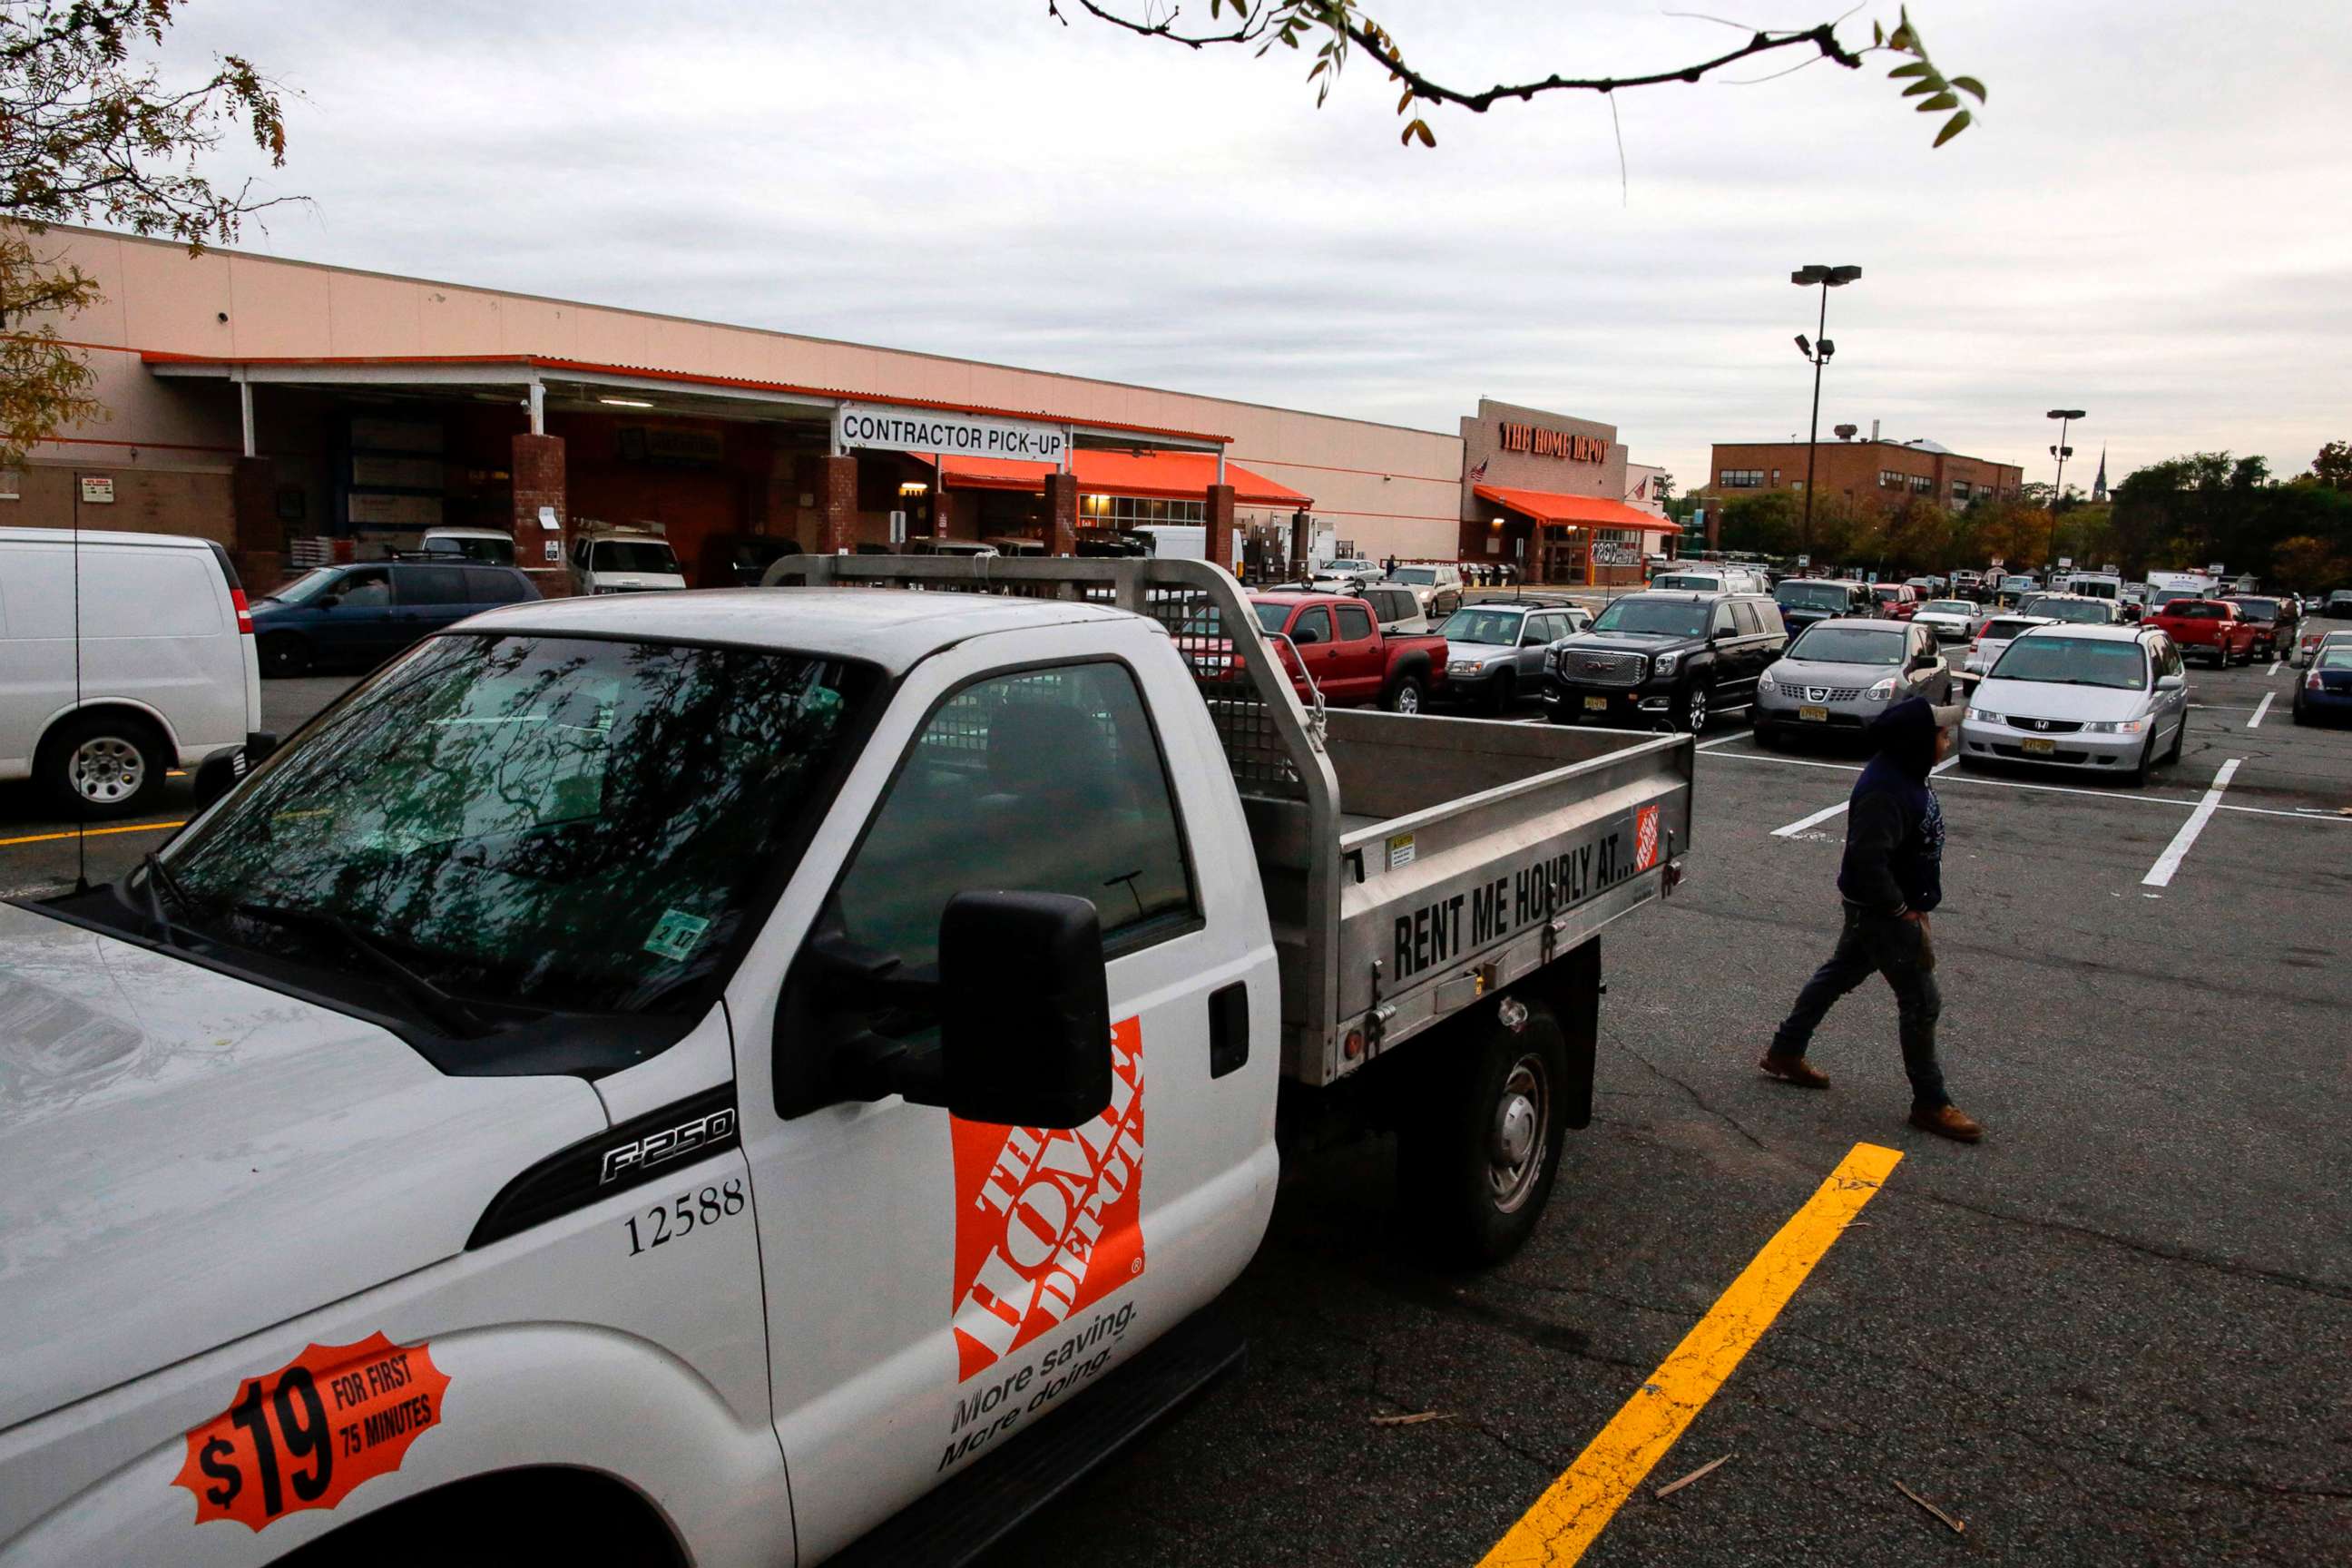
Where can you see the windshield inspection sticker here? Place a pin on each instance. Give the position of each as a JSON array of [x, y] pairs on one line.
[[1047, 1222], [304, 1436], [676, 935]]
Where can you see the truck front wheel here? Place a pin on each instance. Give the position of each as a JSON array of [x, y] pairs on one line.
[[1476, 1160]]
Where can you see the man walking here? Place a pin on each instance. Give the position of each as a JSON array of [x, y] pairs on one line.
[[1891, 878]]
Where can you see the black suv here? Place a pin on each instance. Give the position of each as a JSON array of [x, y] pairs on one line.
[[1664, 658]]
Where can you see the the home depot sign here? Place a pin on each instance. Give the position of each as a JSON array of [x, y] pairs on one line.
[[1545, 442]]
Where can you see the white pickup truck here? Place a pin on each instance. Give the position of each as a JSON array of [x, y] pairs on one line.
[[700, 1076]]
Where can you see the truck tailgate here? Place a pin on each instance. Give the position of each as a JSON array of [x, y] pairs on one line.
[[1472, 852]]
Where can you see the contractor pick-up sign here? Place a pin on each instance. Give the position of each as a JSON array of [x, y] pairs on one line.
[[896, 429]]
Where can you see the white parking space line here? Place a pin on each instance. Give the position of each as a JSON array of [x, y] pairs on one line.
[[1722, 739], [2273, 669], [2300, 814], [2260, 709], [2160, 873], [1817, 819]]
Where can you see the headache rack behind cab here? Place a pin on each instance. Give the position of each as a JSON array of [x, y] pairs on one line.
[[1519, 842]]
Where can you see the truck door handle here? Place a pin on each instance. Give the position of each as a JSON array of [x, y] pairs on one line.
[[1228, 1028]]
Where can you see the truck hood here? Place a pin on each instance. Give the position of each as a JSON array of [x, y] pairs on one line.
[[186, 1158], [638, 579]]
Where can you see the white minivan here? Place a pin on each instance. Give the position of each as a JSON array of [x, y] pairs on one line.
[[167, 669]]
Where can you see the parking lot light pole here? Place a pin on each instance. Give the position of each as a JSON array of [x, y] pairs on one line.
[[2061, 451], [1827, 278]]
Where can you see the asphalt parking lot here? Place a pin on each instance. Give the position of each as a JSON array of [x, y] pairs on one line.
[[2111, 1333]]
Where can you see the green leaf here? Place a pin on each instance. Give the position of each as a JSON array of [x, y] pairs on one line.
[[1916, 68], [1971, 86], [1941, 101], [1927, 84], [1952, 126], [1877, 33]]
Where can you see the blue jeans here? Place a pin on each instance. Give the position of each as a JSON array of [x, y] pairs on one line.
[[1897, 949]]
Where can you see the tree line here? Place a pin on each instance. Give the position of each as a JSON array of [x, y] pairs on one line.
[[2184, 513]]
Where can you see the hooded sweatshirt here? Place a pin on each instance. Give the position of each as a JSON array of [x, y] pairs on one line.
[[1894, 825]]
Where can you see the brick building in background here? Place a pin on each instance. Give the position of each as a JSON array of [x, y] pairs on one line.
[[1872, 472]]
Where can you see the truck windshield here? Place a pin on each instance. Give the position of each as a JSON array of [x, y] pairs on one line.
[[1850, 644], [561, 823], [1811, 597], [632, 555], [1271, 618], [2074, 662], [1674, 618]]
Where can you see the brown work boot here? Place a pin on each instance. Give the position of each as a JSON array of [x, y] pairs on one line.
[[1947, 1121], [1794, 1069]]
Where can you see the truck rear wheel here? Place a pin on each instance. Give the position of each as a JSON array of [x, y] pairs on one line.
[[1477, 1162], [1404, 697]]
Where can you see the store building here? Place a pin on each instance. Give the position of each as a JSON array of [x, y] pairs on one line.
[[281, 406], [1873, 472], [1544, 493]]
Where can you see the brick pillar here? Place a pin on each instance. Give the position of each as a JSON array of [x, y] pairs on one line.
[[538, 477], [1061, 514], [1221, 539], [260, 550], [836, 501]]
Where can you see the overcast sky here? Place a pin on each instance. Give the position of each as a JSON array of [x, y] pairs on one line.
[[2148, 221]]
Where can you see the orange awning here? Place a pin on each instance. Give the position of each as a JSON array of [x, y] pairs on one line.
[[1166, 476], [1588, 512]]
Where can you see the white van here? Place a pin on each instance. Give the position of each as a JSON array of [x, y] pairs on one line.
[[623, 562], [1178, 541], [168, 669]]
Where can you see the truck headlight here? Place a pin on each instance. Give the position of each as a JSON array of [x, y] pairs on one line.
[[1880, 692], [1665, 663]]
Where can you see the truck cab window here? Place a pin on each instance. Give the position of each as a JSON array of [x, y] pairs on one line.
[[1048, 780]]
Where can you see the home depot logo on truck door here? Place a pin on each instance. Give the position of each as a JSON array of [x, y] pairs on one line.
[[1046, 1221]]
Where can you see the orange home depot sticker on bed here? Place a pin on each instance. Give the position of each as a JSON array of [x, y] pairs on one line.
[[304, 1436], [1046, 1221], [1645, 838]]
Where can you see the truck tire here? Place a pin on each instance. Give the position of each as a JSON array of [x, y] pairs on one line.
[[1476, 1160], [1404, 697], [1690, 712], [104, 764]]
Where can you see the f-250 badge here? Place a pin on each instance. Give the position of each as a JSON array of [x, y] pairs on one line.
[[304, 1436], [1047, 1221]]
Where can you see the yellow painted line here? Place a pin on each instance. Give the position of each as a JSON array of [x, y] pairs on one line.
[[1575, 1509], [93, 833]]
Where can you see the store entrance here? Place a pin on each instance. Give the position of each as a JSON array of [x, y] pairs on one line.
[[1564, 560]]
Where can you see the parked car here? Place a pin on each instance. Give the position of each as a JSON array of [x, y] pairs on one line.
[[2272, 620], [1353, 663], [1805, 600], [1711, 577], [1896, 601], [429, 1086], [1494, 653], [1437, 587], [487, 546], [1665, 658], [2325, 692], [2315, 640], [2095, 697], [1841, 674], [1344, 576], [360, 614], [2075, 609], [162, 674], [622, 562], [1395, 608], [2212, 628], [1951, 619], [737, 560], [1994, 634], [2338, 606]]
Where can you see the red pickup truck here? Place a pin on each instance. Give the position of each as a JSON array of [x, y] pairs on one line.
[[2214, 628], [1340, 644]]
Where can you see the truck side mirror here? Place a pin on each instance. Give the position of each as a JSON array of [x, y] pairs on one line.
[[1025, 1009], [1304, 635]]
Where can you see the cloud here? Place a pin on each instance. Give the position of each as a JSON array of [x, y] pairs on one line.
[[2143, 224]]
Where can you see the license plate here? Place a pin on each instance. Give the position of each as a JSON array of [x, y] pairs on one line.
[[1596, 705], [2033, 748], [1815, 715]]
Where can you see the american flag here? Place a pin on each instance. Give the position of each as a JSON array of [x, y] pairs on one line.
[[1478, 473]]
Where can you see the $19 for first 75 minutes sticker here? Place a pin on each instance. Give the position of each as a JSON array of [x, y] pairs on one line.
[[304, 1436]]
